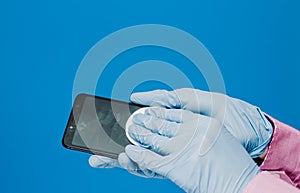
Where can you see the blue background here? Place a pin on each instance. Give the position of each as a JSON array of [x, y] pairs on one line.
[[255, 43]]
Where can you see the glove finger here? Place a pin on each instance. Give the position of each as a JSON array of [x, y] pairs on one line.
[[149, 140], [176, 115], [157, 125], [161, 98], [143, 157], [126, 163], [97, 161], [133, 168], [199, 101]]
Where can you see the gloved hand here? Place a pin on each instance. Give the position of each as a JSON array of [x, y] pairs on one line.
[[244, 121], [195, 151]]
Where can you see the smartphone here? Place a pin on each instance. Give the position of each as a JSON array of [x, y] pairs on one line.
[[96, 125]]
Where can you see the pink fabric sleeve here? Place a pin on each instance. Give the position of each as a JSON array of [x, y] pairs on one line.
[[283, 156], [266, 182]]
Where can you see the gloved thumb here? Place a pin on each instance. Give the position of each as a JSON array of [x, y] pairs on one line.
[[97, 161], [162, 98]]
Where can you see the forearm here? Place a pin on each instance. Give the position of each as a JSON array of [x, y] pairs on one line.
[[265, 182]]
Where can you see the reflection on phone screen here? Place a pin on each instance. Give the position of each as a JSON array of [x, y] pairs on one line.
[[101, 125]]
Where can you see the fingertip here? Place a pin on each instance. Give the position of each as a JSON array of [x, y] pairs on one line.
[[139, 97], [133, 96], [133, 152], [93, 161], [140, 119], [143, 157], [149, 98], [122, 158], [126, 163], [129, 148], [153, 110], [96, 161], [132, 130]]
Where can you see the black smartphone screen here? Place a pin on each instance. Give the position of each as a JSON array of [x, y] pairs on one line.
[[97, 125]]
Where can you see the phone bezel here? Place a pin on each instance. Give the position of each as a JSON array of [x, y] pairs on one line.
[[74, 115]]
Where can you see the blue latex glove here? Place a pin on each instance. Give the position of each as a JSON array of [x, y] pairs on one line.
[[196, 152], [244, 121]]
